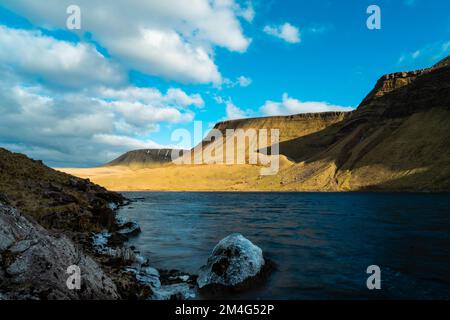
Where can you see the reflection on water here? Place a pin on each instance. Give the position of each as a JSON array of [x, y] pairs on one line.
[[321, 242]]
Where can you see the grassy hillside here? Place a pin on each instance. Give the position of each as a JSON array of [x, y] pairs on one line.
[[55, 199], [397, 140]]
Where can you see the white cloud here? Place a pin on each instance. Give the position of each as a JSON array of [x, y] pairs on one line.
[[172, 39], [247, 12], [286, 31], [179, 98], [121, 141], [244, 81], [58, 63], [165, 54], [99, 114], [87, 127], [140, 115], [234, 112], [240, 81], [174, 97], [289, 106]]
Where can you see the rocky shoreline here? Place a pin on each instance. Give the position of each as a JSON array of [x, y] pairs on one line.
[[52, 223], [47, 220], [34, 263], [149, 283]]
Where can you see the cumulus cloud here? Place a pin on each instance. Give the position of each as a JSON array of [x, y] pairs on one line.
[[233, 112], [247, 12], [165, 54], [58, 63], [66, 100], [87, 127], [286, 32], [172, 39], [289, 106], [174, 97]]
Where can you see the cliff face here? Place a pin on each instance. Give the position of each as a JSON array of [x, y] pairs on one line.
[[398, 139], [405, 93], [290, 126]]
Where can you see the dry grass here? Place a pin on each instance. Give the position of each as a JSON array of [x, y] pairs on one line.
[[410, 154]]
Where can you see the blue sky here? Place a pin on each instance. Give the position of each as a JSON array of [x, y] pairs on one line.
[[135, 72]]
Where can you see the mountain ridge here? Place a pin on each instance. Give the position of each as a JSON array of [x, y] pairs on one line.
[[143, 157], [396, 140]]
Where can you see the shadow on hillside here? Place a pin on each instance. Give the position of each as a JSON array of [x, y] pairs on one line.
[[426, 181], [348, 142]]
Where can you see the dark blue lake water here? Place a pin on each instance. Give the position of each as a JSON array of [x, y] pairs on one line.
[[321, 242]]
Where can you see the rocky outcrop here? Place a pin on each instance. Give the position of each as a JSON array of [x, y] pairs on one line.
[[234, 264], [58, 215], [54, 199], [392, 82], [405, 93], [34, 263]]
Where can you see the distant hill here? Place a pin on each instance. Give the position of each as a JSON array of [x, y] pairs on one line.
[[144, 157], [398, 139]]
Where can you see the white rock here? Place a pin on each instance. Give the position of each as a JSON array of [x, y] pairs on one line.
[[234, 260]]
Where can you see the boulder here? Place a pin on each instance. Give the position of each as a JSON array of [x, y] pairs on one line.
[[235, 263], [34, 263], [129, 229]]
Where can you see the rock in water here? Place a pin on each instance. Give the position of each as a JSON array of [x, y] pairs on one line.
[[234, 262]]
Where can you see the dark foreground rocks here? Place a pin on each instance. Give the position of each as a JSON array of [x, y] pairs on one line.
[[55, 200], [50, 221], [235, 264], [127, 263], [34, 263], [48, 218]]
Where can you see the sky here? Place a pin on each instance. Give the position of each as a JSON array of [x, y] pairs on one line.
[[137, 70]]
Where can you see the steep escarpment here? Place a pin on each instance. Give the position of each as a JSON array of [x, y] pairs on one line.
[[289, 127], [398, 139], [238, 133]]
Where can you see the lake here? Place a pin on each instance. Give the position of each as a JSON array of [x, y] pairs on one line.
[[322, 243]]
